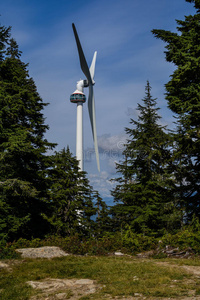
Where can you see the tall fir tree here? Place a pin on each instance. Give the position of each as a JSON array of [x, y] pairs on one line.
[[183, 96], [143, 194], [70, 197], [23, 148]]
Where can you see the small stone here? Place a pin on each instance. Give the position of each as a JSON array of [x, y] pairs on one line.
[[137, 294], [118, 253], [135, 278], [3, 265]]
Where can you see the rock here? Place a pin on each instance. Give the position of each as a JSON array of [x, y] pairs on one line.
[[41, 252], [64, 288], [137, 295], [146, 254], [61, 296], [167, 252], [3, 265], [118, 253]]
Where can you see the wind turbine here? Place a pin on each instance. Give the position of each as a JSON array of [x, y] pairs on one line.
[[79, 97]]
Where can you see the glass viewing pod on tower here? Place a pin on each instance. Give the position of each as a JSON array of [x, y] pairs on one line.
[[78, 97]]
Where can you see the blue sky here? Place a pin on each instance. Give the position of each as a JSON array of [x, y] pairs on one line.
[[128, 55]]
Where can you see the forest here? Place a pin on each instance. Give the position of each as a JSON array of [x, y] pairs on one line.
[[47, 199]]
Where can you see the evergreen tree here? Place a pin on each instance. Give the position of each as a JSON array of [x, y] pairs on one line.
[[183, 96], [144, 190], [23, 159], [70, 197], [103, 220]]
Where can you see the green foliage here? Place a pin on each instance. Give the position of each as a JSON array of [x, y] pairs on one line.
[[103, 220], [127, 241], [75, 244], [134, 243], [188, 237], [183, 96], [15, 193], [7, 251], [70, 197], [183, 240], [145, 190], [23, 159]]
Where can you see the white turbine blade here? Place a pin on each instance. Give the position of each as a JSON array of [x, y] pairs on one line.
[[91, 109], [83, 62], [92, 67]]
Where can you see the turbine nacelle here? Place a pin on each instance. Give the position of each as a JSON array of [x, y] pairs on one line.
[[83, 83], [80, 85]]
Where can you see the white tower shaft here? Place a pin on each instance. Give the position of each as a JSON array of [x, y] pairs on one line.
[[79, 135]]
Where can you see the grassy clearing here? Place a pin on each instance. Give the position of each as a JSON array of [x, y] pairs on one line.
[[119, 276]]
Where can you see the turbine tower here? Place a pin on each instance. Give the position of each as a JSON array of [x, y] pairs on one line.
[[79, 98]]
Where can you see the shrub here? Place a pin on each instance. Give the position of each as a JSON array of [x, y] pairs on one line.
[[127, 241], [7, 251], [134, 243], [183, 239]]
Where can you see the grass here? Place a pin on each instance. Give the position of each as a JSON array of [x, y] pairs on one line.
[[119, 276]]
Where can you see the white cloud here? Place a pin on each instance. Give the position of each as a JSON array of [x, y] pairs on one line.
[[102, 183], [109, 144]]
